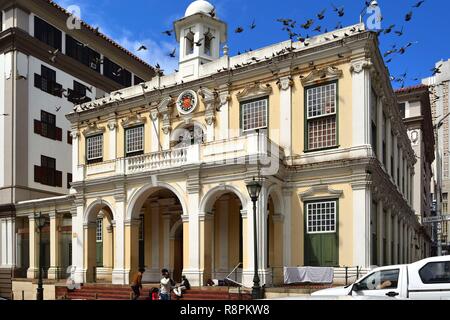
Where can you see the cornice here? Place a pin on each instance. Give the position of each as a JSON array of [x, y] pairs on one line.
[[222, 79]]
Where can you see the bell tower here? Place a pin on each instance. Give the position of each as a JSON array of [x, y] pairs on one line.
[[200, 34]]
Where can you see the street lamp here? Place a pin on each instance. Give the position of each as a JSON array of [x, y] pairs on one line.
[[254, 189], [41, 221], [373, 4]]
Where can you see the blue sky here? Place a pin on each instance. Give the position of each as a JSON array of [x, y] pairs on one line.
[[136, 22]]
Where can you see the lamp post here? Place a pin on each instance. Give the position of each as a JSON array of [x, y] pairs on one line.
[[254, 189], [41, 222], [373, 4]]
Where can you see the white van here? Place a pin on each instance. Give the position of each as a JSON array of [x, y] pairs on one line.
[[427, 279]]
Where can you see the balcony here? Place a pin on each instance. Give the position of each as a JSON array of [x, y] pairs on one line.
[[239, 150]]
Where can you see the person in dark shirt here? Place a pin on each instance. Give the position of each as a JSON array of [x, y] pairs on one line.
[[183, 286], [136, 284]]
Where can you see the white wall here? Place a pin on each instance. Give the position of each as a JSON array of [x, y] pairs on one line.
[[2, 119], [38, 145]]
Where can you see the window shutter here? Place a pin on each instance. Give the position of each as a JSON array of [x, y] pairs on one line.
[[58, 179], [58, 134], [37, 127], [37, 81], [69, 180], [37, 174]]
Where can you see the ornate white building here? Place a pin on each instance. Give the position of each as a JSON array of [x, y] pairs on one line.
[[160, 169]]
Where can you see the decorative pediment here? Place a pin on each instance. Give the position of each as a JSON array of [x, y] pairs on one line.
[[93, 130], [133, 120], [320, 192], [254, 91], [322, 75]]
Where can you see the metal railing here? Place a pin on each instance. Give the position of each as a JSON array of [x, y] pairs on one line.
[[230, 281]]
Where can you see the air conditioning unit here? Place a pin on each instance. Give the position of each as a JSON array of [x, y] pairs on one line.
[[93, 65]]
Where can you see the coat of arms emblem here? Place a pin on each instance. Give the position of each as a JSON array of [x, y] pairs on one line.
[[187, 102]]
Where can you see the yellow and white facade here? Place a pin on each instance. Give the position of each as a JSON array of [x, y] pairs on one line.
[[160, 169]]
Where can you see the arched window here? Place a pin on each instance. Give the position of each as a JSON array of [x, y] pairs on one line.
[[189, 42], [208, 43]]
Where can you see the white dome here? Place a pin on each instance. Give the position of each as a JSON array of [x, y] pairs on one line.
[[199, 6]]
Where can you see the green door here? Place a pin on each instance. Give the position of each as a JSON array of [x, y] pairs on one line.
[[99, 243], [99, 254], [321, 234]]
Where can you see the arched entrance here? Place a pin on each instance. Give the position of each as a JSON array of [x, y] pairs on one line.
[[156, 233], [99, 239], [224, 231]]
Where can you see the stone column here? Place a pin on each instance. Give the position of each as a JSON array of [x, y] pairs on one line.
[[33, 270], [112, 126], [380, 131], [407, 194], [262, 214], [406, 242], [166, 241], [361, 91], [77, 174], [396, 164], [131, 248], [401, 242], [380, 236], [55, 251], [396, 238], [154, 131], [120, 274], [224, 119], [248, 249], [287, 197], [410, 246], [77, 213], [186, 255], [401, 166], [388, 225], [285, 86], [362, 200], [206, 242], [90, 259], [388, 146], [193, 272], [411, 188], [8, 243]]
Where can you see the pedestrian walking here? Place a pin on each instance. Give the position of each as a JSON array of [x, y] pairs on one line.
[[136, 284]]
